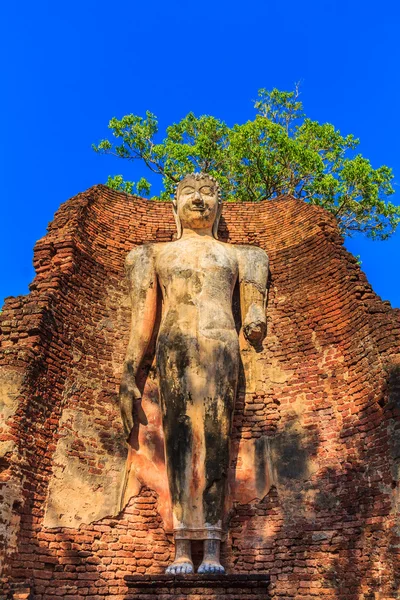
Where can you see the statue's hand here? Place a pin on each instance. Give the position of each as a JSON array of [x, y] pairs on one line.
[[255, 331], [255, 325], [130, 405]]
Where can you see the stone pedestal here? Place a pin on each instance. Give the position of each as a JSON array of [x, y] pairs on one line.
[[196, 587]]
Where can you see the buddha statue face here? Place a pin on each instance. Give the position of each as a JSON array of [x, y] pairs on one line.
[[197, 204]]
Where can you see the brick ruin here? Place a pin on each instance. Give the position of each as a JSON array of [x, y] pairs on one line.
[[316, 428]]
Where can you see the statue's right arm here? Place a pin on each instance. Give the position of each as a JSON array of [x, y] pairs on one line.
[[142, 279]]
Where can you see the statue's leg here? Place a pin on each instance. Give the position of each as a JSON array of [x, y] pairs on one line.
[[180, 444], [183, 559], [217, 438], [217, 432], [210, 563]]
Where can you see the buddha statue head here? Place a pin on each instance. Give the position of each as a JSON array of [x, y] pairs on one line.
[[197, 203]]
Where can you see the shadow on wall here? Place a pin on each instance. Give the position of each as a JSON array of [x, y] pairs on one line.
[[334, 528], [291, 451], [256, 528]]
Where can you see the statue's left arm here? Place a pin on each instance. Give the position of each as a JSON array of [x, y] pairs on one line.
[[253, 277], [142, 280]]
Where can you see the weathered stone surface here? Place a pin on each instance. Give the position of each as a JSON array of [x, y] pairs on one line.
[[78, 494], [328, 527]]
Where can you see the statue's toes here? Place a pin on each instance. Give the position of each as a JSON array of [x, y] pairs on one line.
[[208, 567], [187, 568], [179, 569]]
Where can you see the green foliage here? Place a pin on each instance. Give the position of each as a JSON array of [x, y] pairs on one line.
[[142, 187], [279, 153]]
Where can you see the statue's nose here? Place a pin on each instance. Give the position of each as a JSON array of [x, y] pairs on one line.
[[197, 199]]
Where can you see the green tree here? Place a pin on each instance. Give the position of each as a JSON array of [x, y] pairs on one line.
[[279, 153]]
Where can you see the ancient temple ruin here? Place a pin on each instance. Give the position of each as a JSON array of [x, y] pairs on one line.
[[314, 481]]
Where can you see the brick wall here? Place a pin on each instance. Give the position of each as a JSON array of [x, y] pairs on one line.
[[320, 404]]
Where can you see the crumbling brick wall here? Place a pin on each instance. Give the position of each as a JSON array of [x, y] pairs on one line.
[[320, 404]]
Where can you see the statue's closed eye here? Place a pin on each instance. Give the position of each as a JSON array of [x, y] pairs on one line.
[[208, 191], [188, 190]]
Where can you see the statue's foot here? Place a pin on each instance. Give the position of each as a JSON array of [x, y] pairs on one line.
[[180, 567], [211, 566]]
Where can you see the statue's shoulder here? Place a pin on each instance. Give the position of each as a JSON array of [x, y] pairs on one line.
[[251, 253], [140, 255], [144, 255]]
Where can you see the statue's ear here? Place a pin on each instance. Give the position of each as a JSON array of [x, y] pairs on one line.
[[177, 219], [216, 222]]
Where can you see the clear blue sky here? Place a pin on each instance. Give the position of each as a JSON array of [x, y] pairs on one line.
[[68, 67]]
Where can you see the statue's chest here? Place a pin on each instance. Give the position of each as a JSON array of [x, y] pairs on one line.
[[186, 261]]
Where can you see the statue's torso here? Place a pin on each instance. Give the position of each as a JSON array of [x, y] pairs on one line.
[[197, 277]]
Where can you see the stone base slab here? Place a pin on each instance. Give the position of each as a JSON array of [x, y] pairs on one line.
[[198, 587]]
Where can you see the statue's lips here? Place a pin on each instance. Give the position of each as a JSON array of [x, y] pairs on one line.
[[202, 209]]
